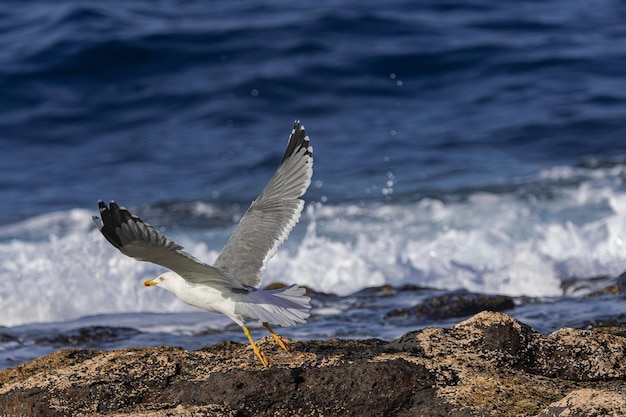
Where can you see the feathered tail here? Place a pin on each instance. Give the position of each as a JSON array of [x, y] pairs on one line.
[[284, 307]]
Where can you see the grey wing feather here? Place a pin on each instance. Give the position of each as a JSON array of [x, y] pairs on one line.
[[141, 241], [270, 218]]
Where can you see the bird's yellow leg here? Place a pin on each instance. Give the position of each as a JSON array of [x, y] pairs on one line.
[[259, 354], [279, 340]]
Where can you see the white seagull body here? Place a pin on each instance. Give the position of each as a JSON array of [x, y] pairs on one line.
[[231, 285]]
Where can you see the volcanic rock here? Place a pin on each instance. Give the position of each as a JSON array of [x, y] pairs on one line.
[[488, 365]]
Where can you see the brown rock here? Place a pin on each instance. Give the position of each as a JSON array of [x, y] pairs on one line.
[[621, 284], [588, 403], [581, 355], [489, 365], [459, 304]]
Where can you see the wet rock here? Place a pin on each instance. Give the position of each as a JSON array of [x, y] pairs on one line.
[[6, 338], [460, 304], [621, 284], [380, 291], [89, 335], [488, 365], [595, 286], [279, 285]]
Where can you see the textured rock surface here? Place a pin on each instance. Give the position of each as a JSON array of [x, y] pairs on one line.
[[588, 403], [459, 304], [489, 365]]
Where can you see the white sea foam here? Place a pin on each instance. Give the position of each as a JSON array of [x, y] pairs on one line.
[[494, 243]]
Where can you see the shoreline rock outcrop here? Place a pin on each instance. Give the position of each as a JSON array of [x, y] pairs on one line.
[[488, 365]]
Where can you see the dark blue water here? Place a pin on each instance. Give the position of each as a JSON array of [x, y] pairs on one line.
[[150, 102], [475, 145]]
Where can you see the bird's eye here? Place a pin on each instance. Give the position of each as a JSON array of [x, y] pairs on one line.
[[161, 278]]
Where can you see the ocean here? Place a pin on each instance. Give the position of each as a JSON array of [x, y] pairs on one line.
[[474, 146]]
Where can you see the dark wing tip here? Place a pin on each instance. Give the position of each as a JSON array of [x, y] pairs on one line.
[[112, 218], [297, 140]]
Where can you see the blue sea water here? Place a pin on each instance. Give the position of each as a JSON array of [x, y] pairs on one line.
[[473, 145]]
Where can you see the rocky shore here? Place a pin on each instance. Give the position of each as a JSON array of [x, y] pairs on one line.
[[488, 365]]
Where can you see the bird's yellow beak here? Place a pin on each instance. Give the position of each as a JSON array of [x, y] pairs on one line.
[[150, 283]]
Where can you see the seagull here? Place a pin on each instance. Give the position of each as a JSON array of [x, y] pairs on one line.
[[232, 285]]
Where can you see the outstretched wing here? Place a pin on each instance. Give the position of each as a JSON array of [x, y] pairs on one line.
[[141, 241], [270, 218]]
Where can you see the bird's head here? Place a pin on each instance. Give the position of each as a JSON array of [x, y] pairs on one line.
[[167, 280]]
